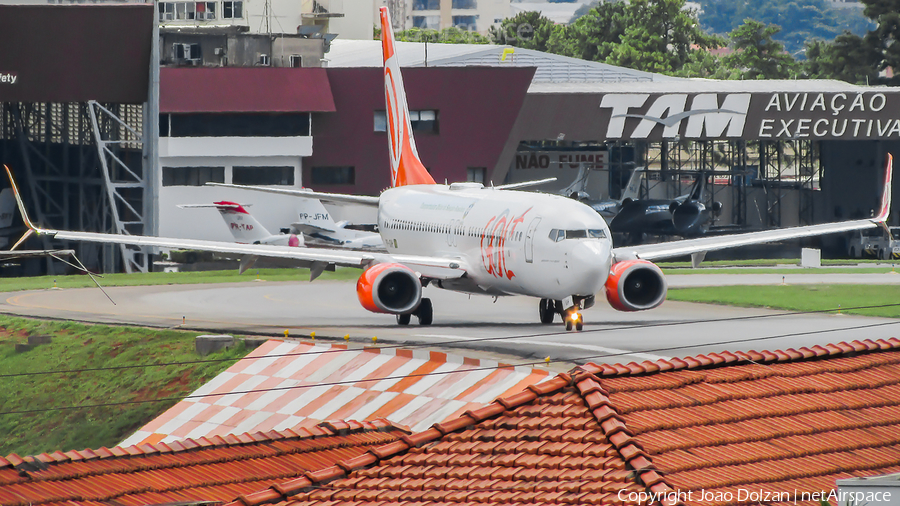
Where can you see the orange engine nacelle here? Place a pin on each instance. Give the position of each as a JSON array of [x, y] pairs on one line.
[[389, 288], [635, 285]]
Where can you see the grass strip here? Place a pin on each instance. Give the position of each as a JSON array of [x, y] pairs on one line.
[[799, 297]]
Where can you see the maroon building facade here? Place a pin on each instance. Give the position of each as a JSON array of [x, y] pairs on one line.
[[474, 110]]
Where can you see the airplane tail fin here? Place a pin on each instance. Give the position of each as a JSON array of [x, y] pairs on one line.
[[406, 167], [312, 212], [7, 207], [885, 210], [633, 189], [242, 225]]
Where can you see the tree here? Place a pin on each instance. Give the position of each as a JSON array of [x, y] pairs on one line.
[[527, 30], [800, 20], [885, 38], [757, 55], [451, 35], [661, 36], [849, 58]]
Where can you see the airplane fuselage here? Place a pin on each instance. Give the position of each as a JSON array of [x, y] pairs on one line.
[[514, 243]]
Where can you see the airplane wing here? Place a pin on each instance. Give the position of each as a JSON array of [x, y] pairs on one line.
[[337, 198], [31, 253], [306, 228], [654, 252]]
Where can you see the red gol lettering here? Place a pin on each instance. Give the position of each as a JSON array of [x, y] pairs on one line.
[[493, 243]]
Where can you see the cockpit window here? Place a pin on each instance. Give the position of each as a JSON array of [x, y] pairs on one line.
[[557, 235]]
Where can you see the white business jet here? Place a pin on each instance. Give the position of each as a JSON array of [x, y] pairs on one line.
[[494, 241]]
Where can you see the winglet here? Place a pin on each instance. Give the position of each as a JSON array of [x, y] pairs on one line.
[[406, 167], [882, 216], [21, 204]]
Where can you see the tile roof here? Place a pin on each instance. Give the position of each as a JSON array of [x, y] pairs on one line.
[[309, 383], [774, 422], [206, 469]]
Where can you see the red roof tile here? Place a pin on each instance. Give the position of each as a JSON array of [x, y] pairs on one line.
[[212, 469]]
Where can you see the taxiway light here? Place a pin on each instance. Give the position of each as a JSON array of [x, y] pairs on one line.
[[312, 334], [286, 332], [374, 339], [346, 337]]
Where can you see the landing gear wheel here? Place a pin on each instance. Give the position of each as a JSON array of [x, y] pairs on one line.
[[579, 326], [403, 319], [425, 312], [568, 325], [547, 310]]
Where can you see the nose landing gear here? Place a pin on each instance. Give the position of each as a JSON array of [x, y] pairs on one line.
[[549, 308]]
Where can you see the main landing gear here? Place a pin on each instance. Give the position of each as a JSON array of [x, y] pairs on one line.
[[425, 314], [549, 308]]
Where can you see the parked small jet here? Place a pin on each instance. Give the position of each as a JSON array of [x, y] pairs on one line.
[[687, 216], [493, 241], [608, 208], [245, 228], [317, 226]]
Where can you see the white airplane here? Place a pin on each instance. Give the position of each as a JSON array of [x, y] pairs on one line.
[[317, 226], [244, 227], [494, 241], [314, 226]]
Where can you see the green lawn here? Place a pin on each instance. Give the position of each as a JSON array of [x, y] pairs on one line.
[[800, 297], [78, 346], [170, 278]]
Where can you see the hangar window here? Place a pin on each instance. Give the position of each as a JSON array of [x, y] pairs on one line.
[[421, 121], [192, 176], [232, 10], [266, 176], [333, 175]]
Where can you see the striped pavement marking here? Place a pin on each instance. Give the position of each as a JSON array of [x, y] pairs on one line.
[[303, 390]]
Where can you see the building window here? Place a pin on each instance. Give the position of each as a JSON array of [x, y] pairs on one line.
[[430, 22], [465, 4], [296, 61], [333, 175], [426, 5], [476, 174], [234, 125], [192, 176], [232, 10], [186, 51], [421, 121], [166, 11], [206, 10], [265, 176], [185, 10], [465, 22]]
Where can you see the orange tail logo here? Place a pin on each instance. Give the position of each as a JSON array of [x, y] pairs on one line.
[[406, 168]]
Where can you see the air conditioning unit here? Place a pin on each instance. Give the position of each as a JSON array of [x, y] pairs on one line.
[[196, 62], [219, 51], [263, 60]]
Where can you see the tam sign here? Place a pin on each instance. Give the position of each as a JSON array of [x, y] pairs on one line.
[[792, 115]]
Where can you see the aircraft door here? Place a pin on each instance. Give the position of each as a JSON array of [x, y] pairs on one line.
[[529, 240]]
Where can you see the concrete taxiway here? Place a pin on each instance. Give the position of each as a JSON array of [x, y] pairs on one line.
[[506, 328]]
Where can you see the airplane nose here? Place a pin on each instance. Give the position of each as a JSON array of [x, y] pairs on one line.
[[589, 266]]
